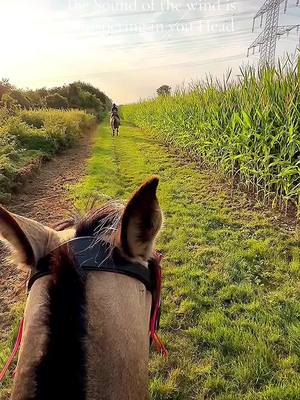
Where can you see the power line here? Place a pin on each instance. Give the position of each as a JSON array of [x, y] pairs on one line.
[[267, 39]]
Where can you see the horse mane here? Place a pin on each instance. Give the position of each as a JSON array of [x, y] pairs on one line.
[[102, 222]]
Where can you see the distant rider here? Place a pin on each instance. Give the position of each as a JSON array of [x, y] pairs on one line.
[[115, 111]]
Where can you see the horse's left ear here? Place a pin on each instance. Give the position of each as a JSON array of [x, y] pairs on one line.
[[141, 221], [27, 239]]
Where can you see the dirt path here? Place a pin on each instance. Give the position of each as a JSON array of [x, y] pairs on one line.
[[44, 199]]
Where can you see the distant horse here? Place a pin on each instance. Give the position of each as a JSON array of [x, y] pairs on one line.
[[114, 123]]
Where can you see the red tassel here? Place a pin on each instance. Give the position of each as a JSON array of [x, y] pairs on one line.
[[14, 352]]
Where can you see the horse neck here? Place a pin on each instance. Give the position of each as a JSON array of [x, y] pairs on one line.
[[119, 308], [115, 345]]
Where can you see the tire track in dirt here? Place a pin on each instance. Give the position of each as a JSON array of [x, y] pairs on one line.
[[43, 198]]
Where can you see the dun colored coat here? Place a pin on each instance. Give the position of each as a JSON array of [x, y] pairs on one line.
[[85, 337]]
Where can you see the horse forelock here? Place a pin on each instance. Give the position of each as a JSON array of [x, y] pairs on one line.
[[101, 222]]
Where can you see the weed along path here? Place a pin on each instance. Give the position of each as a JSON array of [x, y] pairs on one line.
[[231, 298]]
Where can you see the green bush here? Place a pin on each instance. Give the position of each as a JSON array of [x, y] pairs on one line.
[[77, 95], [20, 98], [26, 136], [57, 101]]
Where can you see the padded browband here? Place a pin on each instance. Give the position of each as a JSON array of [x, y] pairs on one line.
[[90, 255]]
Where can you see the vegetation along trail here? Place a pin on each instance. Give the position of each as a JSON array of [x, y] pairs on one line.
[[231, 293]]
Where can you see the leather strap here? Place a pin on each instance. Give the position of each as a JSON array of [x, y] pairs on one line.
[[90, 255]]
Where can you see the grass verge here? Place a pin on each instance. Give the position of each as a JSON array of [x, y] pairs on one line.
[[27, 137], [6, 347]]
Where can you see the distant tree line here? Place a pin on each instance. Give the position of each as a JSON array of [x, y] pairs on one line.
[[164, 90], [77, 95]]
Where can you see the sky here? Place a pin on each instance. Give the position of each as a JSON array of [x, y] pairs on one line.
[[128, 48]]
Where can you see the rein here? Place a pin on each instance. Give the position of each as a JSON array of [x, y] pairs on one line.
[[90, 255]]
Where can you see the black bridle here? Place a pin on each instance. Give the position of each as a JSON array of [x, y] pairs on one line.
[[90, 255]]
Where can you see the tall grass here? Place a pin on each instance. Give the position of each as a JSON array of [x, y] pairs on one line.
[[249, 128], [28, 136]]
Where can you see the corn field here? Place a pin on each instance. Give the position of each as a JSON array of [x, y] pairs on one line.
[[247, 128]]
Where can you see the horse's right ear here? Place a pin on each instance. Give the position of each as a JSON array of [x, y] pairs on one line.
[[28, 240], [141, 221]]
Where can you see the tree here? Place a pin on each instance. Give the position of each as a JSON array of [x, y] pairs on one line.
[[89, 101], [5, 86], [79, 95], [35, 99], [164, 90], [42, 92], [56, 101], [20, 98], [8, 102], [88, 88], [74, 94]]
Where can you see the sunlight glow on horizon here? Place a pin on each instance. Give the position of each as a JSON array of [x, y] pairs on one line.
[[52, 42]]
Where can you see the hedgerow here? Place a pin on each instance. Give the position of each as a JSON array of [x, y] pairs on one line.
[[26, 137]]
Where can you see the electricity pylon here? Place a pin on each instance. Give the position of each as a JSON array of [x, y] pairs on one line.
[[267, 40]]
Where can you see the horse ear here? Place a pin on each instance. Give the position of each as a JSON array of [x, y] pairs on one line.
[[141, 221], [27, 239]]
